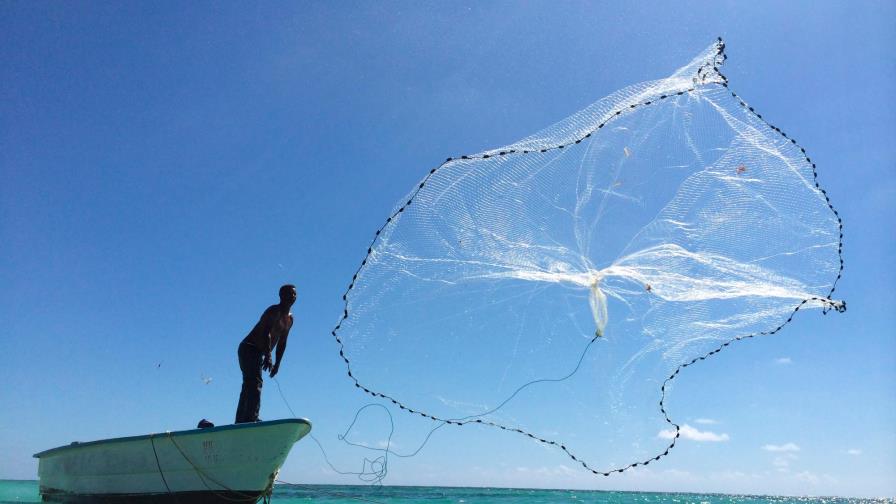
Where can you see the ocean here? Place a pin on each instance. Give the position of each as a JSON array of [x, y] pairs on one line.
[[26, 491]]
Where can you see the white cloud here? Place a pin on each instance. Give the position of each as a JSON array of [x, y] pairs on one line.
[[787, 447], [677, 474], [560, 470], [688, 432], [706, 421], [734, 476], [783, 360], [808, 477], [781, 462], [854, 451]]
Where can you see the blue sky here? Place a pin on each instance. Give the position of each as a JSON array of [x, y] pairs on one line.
[[165, 167]]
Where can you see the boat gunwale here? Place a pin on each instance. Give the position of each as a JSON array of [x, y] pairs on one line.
[[188, 432]]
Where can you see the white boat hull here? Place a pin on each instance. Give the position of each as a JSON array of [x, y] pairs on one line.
[[218, 464]]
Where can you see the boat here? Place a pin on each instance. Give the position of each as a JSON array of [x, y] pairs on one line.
[[230, 463]]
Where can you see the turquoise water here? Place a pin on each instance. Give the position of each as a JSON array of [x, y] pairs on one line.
[[26, 491]]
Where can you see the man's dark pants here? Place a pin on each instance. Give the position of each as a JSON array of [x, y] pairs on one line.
[[251, 360]]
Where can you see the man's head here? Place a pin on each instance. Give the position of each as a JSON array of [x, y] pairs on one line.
[[288, 294]]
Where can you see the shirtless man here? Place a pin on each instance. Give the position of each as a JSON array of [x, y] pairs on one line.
[[255, 352]]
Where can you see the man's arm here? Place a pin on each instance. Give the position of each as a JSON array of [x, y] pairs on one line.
[[264, 328], [281, 347]]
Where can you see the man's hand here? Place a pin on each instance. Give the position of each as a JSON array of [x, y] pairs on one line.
[[274, 369], [267, 363]]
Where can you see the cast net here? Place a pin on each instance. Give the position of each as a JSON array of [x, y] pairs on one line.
[[555, 287]]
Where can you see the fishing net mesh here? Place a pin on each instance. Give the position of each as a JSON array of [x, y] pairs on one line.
[[553, 286]]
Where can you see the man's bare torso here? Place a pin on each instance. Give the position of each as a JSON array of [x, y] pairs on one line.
[[273, 325]]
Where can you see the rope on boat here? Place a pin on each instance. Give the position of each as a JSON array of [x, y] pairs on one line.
[[244, 497], [153, 443]]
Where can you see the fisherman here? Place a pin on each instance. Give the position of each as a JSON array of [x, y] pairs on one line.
[[255, 352]]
